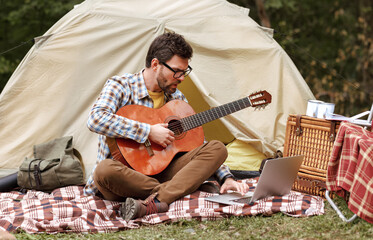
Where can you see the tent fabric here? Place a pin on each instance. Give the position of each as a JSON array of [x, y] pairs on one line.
[[52, 90]]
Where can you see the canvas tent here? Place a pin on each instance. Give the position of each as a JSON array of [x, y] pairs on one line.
[[52, 90]]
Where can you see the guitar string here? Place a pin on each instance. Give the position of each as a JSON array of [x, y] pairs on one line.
[[211, 115]]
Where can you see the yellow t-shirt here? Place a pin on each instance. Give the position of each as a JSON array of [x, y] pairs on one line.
[[243, 156], [158, 98]]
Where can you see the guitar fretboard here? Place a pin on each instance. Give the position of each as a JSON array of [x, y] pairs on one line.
[[201, 118]]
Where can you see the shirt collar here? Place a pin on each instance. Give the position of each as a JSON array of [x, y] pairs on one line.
[[143, 91]]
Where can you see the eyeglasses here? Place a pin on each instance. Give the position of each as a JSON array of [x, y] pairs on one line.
[[178, 74]]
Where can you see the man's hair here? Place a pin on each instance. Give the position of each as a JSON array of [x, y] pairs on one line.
[[165, 46]]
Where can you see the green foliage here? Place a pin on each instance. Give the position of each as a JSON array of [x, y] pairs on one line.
[[329, 42]]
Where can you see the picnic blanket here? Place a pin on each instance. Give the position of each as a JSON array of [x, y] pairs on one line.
[[350, 169], [68, 210]]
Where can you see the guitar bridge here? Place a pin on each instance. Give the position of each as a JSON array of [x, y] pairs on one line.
[[149, 148]]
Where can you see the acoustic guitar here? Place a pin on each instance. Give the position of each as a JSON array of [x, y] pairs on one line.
[[150, 158]]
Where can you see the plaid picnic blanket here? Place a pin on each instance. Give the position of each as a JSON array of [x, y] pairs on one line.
[[350, 169], [68, 210]]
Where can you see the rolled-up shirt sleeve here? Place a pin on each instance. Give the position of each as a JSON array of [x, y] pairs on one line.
[[103, 120], [223, 173]]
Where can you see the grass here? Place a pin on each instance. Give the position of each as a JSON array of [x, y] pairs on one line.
[[277, 226]]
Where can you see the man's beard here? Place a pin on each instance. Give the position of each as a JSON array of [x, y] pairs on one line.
[[162, 83]]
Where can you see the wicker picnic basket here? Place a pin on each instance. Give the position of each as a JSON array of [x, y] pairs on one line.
[[313, 138]]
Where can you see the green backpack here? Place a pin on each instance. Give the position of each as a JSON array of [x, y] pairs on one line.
[[54, 165]]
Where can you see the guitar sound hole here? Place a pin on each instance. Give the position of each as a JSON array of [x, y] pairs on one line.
[[175, 126]]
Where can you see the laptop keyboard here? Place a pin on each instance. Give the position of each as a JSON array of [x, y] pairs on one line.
[[243, 200]]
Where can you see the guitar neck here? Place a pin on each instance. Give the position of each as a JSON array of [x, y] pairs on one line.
[[201, 118]]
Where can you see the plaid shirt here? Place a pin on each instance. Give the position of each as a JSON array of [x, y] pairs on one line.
[[119, 91]]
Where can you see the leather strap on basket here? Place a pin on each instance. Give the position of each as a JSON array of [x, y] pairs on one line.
[[298, 128], [332, 131], [299, 131]]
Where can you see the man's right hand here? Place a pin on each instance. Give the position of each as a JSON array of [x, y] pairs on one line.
[[160, 134]]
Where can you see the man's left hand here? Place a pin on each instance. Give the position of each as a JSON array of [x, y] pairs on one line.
[[231, 184]]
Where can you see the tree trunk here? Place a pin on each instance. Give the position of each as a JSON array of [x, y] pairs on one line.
[[264, 19]]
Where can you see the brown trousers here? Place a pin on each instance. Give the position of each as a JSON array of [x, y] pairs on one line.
[[183, 176]]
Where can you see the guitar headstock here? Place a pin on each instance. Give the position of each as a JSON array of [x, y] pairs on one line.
[[260, 99]]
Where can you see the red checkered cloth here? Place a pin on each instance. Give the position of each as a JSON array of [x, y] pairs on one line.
[[350, 169], [68, 210]]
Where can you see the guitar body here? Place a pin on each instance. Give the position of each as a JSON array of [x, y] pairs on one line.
[[136, 156]]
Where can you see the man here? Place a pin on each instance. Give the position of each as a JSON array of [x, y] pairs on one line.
[[167, 65]]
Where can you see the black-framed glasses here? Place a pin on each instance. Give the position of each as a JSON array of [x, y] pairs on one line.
[[178, 74]]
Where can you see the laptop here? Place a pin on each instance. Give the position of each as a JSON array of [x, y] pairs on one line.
[[276, 179]]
